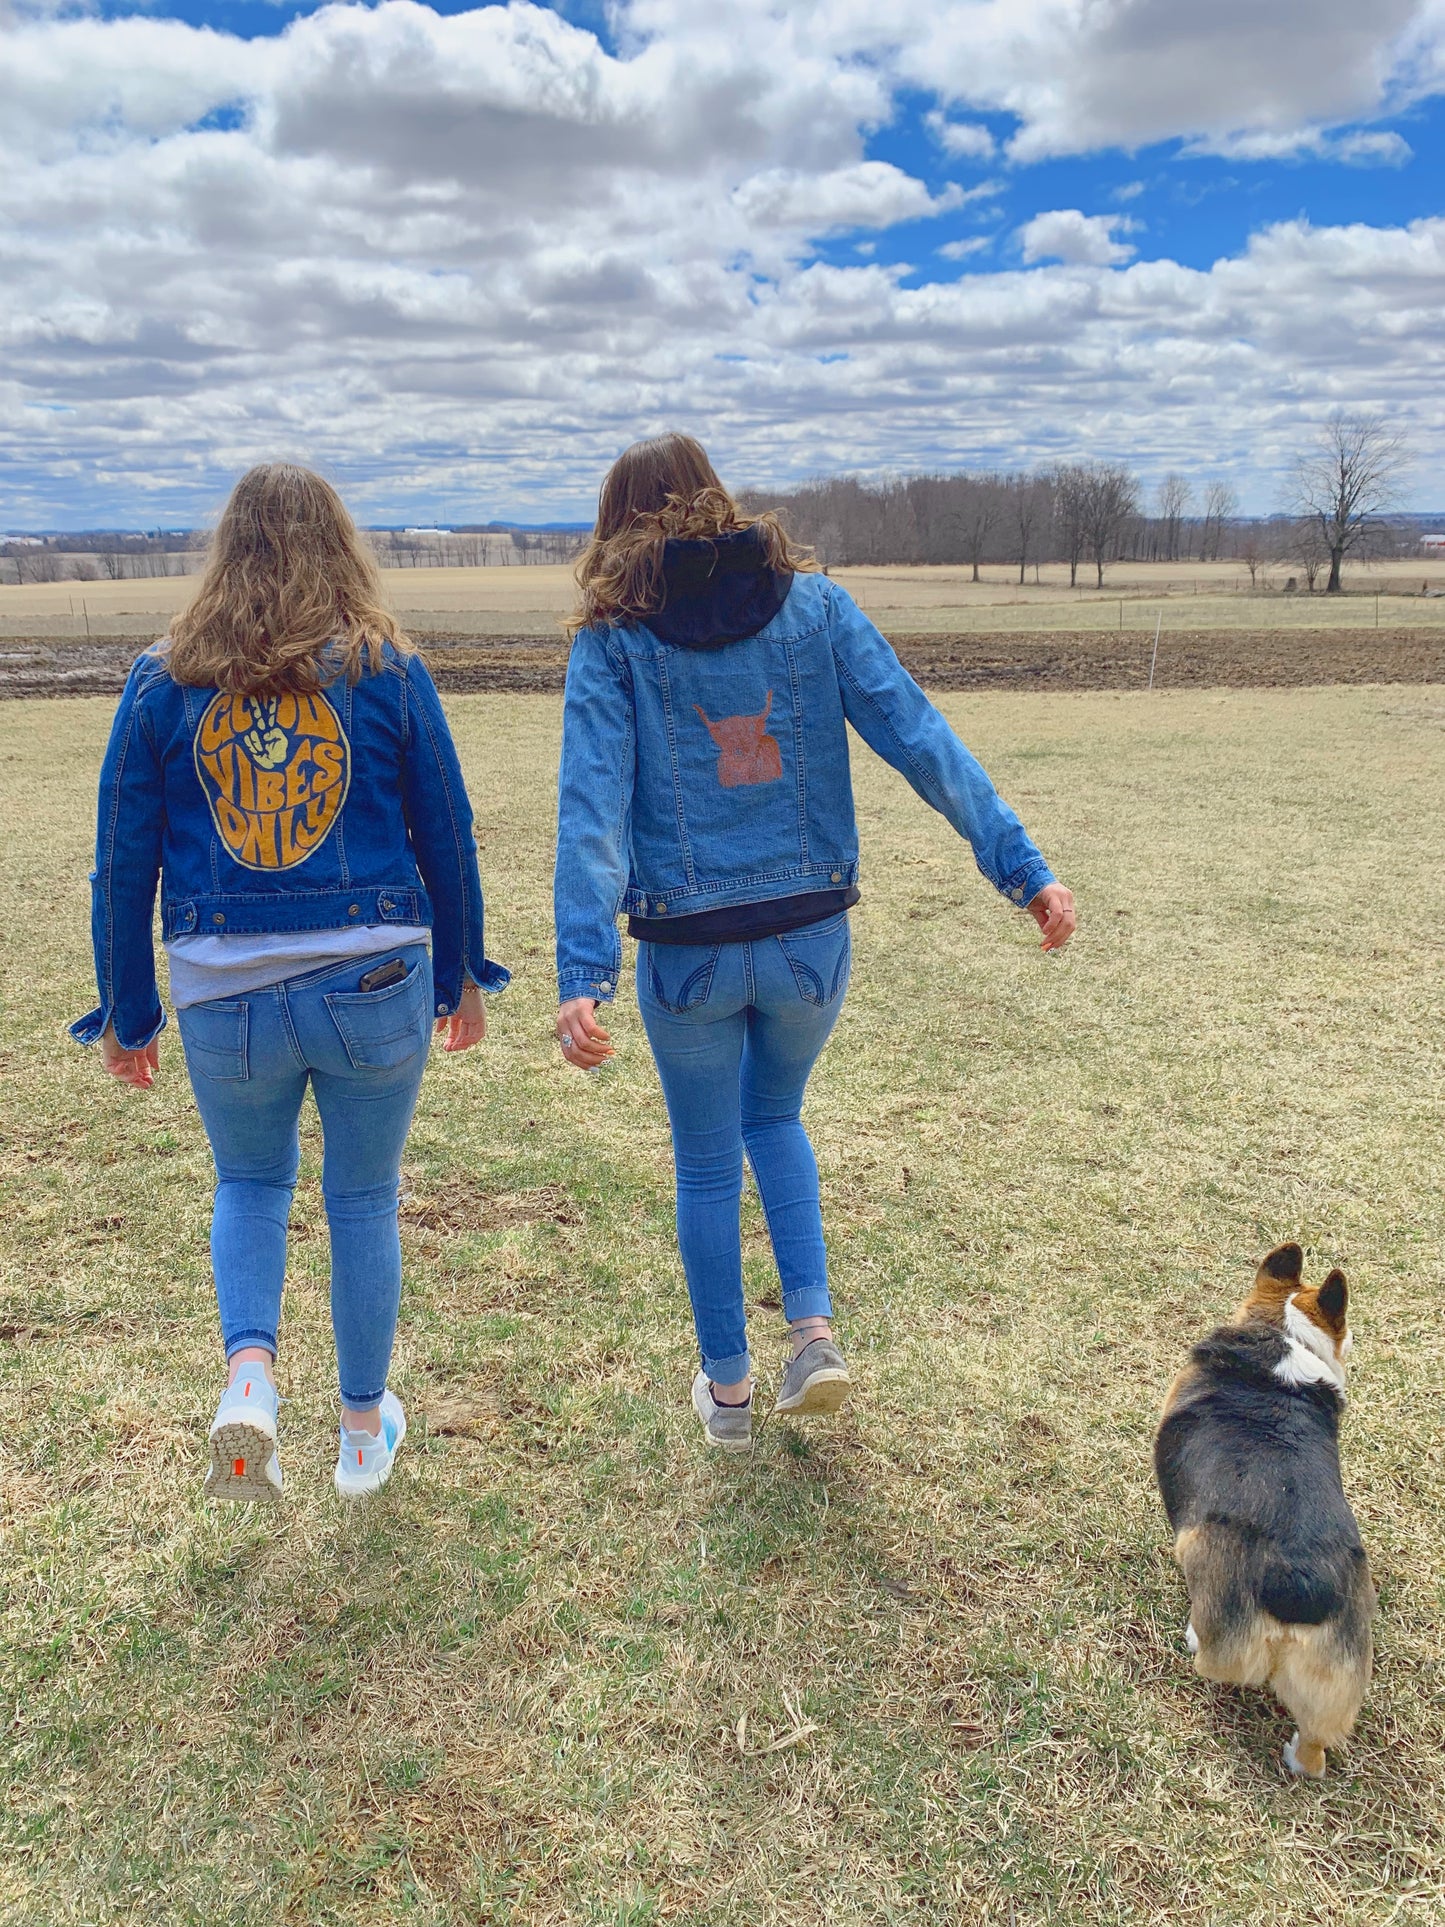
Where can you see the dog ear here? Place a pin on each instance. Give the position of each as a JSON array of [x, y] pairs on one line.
[[1285, 1262], [1333, 1297]]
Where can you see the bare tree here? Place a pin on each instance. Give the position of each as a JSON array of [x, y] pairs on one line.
[[1302, 542], [1251, 554], [982, 505], [1110, 500], [1070, 485], [1174, 499], [1346, 481], [1028, 512], [1221, 504]]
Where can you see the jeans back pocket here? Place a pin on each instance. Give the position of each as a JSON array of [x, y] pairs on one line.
[[819, 956], [214, 1037], [383, 1028], [679, 975]]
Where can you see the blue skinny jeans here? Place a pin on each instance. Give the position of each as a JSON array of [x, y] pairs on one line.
[[736, 1029], [250, 1060]]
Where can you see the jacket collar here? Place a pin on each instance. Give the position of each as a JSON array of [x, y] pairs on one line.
[[717, 591]]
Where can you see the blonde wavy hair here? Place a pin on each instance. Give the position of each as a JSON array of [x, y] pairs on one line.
[[287, 576], [660, 490]]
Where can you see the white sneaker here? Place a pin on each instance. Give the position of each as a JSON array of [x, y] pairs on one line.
[[364, 1463], [245, 1466]]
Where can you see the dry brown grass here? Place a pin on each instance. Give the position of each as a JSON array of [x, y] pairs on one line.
[[924, 1664], [531, 601]]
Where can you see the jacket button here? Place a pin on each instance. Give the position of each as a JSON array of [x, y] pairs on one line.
[[217, 916], [383, 903], [837, 876], [660, 910], [606, 984], [1017, 895], [354, 911], [443, 1010]]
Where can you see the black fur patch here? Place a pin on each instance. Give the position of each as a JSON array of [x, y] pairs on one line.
[[1285, 1263], [1256, 1465], [1333, 1295]]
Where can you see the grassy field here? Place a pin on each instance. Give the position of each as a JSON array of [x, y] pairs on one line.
[[531, 601], [924, 1664]]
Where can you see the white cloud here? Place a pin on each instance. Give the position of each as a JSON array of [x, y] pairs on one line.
[[964, 140], [1075, 238], [868, 194], [460, 259]]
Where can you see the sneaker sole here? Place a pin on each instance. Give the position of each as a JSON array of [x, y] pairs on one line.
[[826, 1391], [239, 1472]]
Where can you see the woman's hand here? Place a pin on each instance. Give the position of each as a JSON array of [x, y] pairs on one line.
[[136, 1067], [1053, 911], [584, 1042], [467, 1024]]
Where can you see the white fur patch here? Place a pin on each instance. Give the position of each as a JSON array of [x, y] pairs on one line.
[[1310, 1358], [1191, 1638]]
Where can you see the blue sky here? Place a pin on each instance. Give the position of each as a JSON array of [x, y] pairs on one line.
[[458, 257]]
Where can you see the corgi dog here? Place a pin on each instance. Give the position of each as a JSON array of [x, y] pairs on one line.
[[1248, 1464]]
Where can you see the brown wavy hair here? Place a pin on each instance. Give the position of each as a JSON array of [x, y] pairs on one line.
[[287, 576], [659, 490]]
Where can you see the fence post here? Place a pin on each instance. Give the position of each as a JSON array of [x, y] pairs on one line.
[[1158, 623]]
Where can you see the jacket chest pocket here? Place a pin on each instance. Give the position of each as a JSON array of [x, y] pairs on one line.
[[383, 1028]]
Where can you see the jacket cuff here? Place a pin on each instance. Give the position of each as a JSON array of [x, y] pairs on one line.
[[1024, 885], [447, 985], [90, 1029], [598, 984]]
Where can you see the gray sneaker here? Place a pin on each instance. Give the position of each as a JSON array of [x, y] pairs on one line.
[[815, 1381], [728, 1427]]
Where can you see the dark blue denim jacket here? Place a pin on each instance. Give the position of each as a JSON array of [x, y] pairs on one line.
[[693, 778], [297, 812]]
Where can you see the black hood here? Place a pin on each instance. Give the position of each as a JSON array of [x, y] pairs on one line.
[[717, 591]]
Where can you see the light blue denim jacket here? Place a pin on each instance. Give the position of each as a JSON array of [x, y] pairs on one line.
[[694, 779]]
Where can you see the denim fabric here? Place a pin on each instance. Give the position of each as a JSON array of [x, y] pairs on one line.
[[736, 1029], [362, 1052], [695, 779], [300, 812]]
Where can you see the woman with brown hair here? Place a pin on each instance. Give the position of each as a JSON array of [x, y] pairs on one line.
[[705, 790], [281, 766]]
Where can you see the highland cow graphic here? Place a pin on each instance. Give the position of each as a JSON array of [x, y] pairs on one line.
[[745, 753]]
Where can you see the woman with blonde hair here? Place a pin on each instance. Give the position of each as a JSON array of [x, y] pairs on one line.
[[705, 790], [281, 766]]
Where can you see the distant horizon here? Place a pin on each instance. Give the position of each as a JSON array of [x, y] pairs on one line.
[[499, 527]]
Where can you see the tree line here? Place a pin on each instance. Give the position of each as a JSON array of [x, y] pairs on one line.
[[1091, 514]]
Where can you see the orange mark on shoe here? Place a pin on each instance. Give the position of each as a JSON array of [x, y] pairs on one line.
[[238, 1466], [247, 1392], [358, 1455]]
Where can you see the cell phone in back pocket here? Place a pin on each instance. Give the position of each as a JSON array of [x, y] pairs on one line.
[[384, 974]]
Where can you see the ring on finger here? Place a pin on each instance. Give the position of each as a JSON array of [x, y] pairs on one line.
[[565, 1040]]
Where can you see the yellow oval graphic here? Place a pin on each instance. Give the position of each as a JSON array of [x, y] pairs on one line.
[[275, 770]]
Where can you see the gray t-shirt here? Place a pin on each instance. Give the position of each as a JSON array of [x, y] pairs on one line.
[[203, 968]]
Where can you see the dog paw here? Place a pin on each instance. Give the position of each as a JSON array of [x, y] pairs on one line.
[[1296, 1765]]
